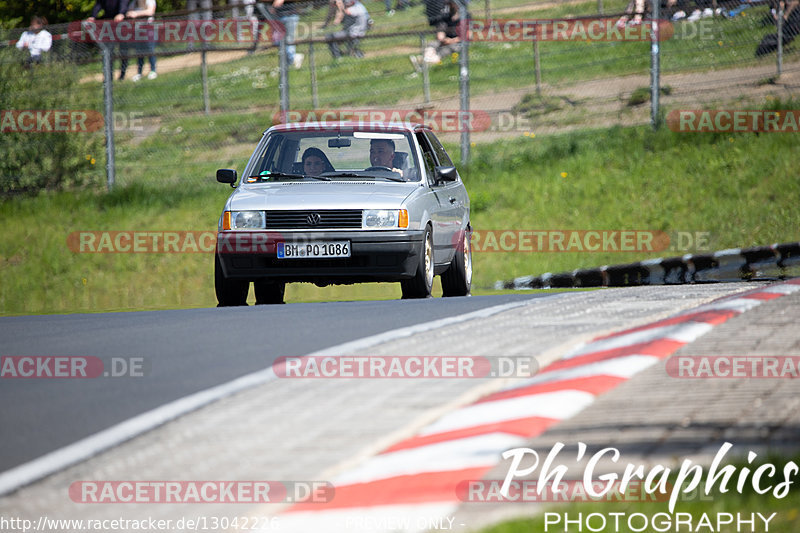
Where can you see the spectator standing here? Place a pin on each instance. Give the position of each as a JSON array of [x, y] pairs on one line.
[[249, 15], [286, 13], [205, 5], [112, 10], [35, 40], [143, 10], [355, 23]]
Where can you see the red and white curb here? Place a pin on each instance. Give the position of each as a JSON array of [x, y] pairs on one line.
[[411, 486]]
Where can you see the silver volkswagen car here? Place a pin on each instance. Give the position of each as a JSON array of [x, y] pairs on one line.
[[343, 203]]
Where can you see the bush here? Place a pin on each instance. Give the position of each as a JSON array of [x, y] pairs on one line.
[[34, 161]]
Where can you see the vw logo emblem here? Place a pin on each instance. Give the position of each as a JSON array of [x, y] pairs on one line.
[[313, 219]]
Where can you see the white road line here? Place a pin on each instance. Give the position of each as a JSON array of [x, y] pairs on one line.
[[683, 332], [620, 367], [458, 454], [559, 405], [85, 448]]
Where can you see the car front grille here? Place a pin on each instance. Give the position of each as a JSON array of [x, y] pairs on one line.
[[314, 219]]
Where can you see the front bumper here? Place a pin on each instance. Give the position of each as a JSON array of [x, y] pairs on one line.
[[375, 256]]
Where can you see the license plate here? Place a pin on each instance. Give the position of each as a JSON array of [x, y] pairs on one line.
[[313, 250]]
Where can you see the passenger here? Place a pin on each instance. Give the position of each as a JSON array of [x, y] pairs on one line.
[[315, 162]]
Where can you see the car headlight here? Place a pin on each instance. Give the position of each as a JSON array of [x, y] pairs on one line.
[[243, 220], [385, 218]]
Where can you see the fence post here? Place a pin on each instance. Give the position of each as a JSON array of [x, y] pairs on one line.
[[204, 75], [780, 38], [108, 81], [600, 7], [426, 82], [464, 82], [312, 64], [284, 77], [655, 72], [537, 65]]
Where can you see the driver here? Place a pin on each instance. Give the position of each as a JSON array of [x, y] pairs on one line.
[[381, 154]]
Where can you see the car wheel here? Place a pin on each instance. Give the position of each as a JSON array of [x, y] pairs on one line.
[[421, 284], [269, 292], [230, 292], [457, 280]]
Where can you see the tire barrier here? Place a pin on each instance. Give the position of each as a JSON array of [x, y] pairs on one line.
[[778, 261]]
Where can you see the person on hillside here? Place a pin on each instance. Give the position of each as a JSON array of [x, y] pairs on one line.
[[355, 21], [35, 40], [791, 29], [142, 10], [112, 10], [445, 17], [205, 5]]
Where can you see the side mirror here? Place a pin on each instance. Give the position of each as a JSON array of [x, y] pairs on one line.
[[446, 173], [226, 175]]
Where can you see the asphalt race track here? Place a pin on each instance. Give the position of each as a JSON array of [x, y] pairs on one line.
[[187, 351], [343, 429]]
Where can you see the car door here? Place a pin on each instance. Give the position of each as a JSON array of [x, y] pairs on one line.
[[442, 232], [454, 197]]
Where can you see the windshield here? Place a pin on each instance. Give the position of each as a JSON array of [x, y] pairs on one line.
[[334, 155]]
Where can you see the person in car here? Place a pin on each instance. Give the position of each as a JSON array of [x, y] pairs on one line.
[[315, 162], [382, 154]]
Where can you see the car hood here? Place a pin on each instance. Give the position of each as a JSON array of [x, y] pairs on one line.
[[321, 195]]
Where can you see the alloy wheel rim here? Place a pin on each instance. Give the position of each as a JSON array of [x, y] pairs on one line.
[[467, 259], [429, 261]]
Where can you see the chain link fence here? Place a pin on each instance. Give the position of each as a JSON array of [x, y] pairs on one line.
[[226, 74]]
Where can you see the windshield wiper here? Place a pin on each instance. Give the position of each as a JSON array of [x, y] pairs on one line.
[[354, 175], [287, 175]]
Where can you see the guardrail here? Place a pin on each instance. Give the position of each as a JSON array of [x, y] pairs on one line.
[[777, 261]]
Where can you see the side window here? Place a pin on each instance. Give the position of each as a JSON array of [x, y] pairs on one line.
[[438, 149], [427, 158], [269, 160]]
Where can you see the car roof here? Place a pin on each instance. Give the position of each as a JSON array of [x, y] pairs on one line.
[[336, 125]]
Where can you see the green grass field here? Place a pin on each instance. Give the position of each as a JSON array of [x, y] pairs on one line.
[[733, 190]]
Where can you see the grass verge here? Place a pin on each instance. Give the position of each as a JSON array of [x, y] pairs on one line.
[[735, 190]]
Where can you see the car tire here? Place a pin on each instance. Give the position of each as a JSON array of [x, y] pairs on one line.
[[457, 279], [230, 292], [269, 292], [421, 284]]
